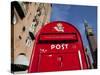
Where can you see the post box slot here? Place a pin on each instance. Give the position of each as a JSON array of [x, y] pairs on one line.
[[58, 37]]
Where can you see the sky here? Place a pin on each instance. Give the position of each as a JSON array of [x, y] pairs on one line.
[[75, 14]]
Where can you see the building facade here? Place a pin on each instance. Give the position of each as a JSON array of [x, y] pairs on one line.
[[27, 18]]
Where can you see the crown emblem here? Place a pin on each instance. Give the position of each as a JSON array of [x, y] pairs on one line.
[[59, 27]]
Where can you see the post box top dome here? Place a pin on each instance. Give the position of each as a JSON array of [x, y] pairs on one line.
[[59, 27]]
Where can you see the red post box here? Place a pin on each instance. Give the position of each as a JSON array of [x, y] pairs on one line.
[[58, 47]]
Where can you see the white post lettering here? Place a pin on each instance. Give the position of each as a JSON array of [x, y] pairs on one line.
[[52, 46], [66, 45], [58, 46], [62, 46]]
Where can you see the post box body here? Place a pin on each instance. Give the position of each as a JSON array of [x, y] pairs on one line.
[[58, 47]]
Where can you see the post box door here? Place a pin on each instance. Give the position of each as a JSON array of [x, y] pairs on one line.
[[56, 62], [48, 62], [70, 61]]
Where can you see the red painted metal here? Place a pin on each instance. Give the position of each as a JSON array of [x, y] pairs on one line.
[[55, 37], [58, 47]]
